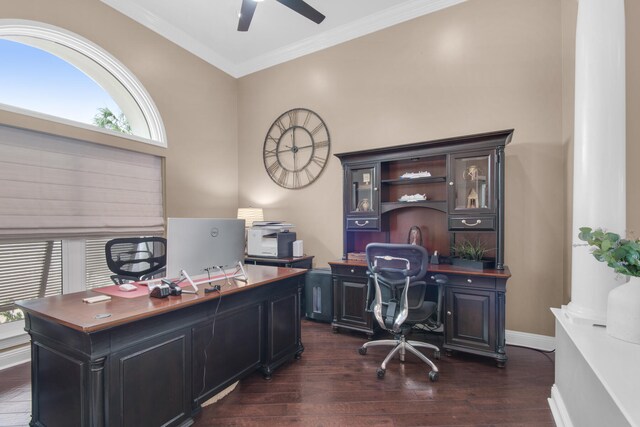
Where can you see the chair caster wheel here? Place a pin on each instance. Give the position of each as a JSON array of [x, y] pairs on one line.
[[433, 376], [380, 373], [362, 350], [436, 355]]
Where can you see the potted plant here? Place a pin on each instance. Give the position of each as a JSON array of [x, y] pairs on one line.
[[469, 254], [623, 255], [623, 303]]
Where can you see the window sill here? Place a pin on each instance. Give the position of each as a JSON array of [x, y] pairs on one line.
[[13, 334]]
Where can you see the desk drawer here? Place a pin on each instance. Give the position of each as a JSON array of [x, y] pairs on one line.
[[469, 281], [349, 270], [472, 223], [363, 224]]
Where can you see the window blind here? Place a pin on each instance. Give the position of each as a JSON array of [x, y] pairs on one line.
[[29, 270], [53, 187], [98, 274]]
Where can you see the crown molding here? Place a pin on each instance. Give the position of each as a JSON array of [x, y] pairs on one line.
[[172, 33], [369, 24]]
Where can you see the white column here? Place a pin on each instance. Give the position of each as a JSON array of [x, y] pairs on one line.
[[599, 194]]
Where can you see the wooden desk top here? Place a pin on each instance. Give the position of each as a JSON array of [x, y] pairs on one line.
[[69, 310], [441, 268]]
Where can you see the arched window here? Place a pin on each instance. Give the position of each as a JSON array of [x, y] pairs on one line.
[[125, 92]]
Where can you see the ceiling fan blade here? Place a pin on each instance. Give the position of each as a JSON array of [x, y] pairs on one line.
[[246, 14], [303, 9]]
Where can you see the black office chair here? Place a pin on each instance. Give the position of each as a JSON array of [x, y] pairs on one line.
[[136, 258], [397, 274]]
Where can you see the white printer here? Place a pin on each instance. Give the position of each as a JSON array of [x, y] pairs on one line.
[[270, 239]]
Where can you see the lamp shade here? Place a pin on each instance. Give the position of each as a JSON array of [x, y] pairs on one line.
[[249, 215]]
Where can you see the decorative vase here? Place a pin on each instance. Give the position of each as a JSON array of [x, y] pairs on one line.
[[623, 311]]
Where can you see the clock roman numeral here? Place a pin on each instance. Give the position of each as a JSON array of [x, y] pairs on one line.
[[283, 178], [273, 168], [281, 126], [269, 153], [319, 161], [296, 179], [321, 144], [306, 119], [317, 128], [293, 117], [310, 176]]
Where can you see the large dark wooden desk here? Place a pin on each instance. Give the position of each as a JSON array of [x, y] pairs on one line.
[[473, 311], [152, 362]]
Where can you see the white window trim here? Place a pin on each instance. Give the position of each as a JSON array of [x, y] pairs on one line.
[[16, 28]]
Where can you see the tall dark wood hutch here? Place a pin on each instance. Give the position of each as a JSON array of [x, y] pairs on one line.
[[450, 189]]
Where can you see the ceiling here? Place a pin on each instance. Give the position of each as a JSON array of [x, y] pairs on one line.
[[207, 28]]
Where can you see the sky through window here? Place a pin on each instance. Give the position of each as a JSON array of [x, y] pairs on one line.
[[36, 80]]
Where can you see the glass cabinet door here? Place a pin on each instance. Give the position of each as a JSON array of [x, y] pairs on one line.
[[363, 190], [471, 183]]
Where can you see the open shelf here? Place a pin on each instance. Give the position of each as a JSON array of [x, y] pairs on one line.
[[440, 205], [405, 181]]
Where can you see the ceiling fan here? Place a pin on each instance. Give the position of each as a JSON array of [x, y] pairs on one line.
[[300, 6]]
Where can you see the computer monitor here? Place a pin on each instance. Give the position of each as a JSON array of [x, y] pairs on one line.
[[197, 244]]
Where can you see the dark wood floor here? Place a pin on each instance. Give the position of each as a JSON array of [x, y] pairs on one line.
[[332, 385]]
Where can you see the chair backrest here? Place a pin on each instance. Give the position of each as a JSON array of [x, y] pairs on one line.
[[136, 256], [398, 267], [388, 261]]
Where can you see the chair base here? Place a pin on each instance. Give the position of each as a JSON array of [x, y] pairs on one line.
[[400, 347]]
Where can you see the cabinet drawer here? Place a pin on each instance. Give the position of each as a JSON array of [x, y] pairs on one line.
[[349, 271], [469, 281], [363, 224], [472, 223]]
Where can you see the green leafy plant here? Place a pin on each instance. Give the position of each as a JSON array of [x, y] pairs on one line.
[[474, 251], [106, 119], [623, 255]]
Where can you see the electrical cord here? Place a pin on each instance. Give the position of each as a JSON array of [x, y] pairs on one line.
[[544, 352], [213, 330]]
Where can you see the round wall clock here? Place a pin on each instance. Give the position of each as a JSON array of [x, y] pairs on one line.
[[296, 148]]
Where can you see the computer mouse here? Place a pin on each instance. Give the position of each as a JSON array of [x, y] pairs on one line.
[[128, 287]]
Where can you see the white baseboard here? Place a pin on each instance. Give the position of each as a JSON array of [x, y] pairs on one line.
[[558, 410], [15, 356], [540, 342]]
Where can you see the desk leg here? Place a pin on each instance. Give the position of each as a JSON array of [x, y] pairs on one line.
[[97, 392]]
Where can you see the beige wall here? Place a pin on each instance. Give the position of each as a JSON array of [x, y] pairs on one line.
[[479, 66], [197, 102]]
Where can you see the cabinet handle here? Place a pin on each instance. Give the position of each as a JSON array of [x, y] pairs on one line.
[[469, 281], [450, 182], [363, 224], [352, 271], [468, 224], [433, 277], [375, 188], [448, 313]]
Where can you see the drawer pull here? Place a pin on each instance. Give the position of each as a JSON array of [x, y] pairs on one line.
[[448, 313], [468, 224], [352, 271], [469, 281], [363, 224]]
